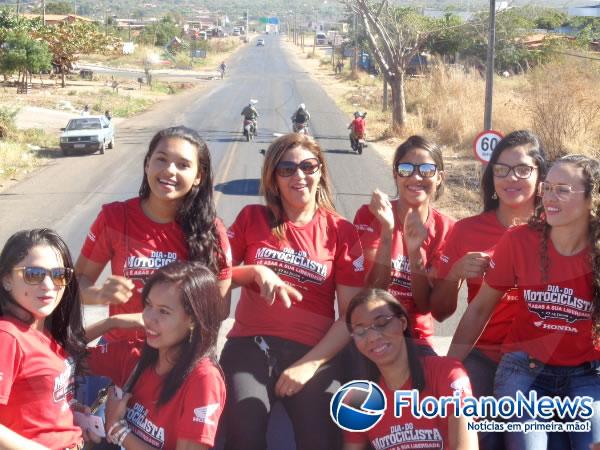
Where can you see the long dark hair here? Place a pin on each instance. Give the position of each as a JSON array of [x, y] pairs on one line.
[[591, 181], [519, 138], [196, 214], [366, 368], [268, 183], [201, 300], [65, 323], [417, 142]]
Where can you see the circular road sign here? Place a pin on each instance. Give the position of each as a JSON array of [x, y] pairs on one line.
[[484, 144]]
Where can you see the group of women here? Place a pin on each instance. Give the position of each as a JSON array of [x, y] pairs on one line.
[[531, 261]]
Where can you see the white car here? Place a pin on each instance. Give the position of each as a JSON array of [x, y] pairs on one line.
[[260, 42], [88, 133]]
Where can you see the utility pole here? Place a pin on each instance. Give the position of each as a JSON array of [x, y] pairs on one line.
[[18, 4], [44, 12], [489, 75], [355, 53]]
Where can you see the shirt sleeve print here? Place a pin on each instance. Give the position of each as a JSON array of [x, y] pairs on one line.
[[349, 262], [202, 408]]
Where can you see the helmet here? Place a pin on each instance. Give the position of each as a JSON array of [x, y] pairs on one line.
[[357, 114], [302, 106]]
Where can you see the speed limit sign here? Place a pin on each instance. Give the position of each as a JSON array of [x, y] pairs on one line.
[[485, 143]]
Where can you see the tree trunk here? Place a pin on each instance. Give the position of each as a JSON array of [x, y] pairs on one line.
[[63, 76], [398, 100]]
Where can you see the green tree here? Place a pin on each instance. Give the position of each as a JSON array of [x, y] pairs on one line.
[[67, 41], [25, 55], [395, 35], [160, 33]]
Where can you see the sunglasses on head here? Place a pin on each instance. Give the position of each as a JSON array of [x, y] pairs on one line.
[[289, 168], [60, 276], [426, 170]]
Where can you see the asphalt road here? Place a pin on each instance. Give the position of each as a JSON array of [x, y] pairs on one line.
[[67, 194]]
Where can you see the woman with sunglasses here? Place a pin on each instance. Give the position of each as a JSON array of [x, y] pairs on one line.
[[173, 219], [509, 185], [298, 254], [42, 342], [402, 237], [552, 346], [177, 391], [380, 328]]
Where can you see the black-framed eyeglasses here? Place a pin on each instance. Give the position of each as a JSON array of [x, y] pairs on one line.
[[522, 171], [562, 192], [379, 325], [425, 170], [60, 276], [288, 168]]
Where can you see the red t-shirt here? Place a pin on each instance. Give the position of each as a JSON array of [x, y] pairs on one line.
[[438, 226], [192, 413], [443, 376], [314, 259], [136, 247], [36, 386], [553, 318], [480, 233], [358, 126]]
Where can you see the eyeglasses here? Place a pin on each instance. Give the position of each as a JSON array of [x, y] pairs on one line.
[[379, 325], [60, 276], [563, 192], [288, 168], [426, 170], [522, 171]]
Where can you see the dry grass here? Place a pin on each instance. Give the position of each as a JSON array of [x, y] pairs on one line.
[[564, 102]]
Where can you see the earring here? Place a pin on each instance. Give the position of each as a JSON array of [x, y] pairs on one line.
[[494, 196], [7, 287], [191, 334]]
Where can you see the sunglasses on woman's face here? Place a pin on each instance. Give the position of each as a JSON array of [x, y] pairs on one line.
[[288, 168], [60, 276], [426, 170]]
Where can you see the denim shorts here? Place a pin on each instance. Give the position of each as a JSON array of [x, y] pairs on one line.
[[518, 372]]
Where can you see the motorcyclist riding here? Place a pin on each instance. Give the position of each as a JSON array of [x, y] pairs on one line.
[[222, 69], [357, 128], [300, 117], [250, 113]]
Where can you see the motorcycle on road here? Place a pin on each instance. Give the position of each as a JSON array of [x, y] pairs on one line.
[[301, 128], [249, 130], [358, 144]]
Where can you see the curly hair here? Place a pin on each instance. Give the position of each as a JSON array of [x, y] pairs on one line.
[[591, 181], [268, 183], [197, 213]]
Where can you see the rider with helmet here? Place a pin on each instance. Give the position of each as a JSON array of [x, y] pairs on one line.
[[250, 113], [357, 128], [300, 117]]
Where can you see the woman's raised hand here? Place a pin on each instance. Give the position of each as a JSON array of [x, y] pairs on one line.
[[115, 290], [381, 207]]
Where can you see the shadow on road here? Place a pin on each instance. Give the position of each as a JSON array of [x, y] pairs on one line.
[[249, 186]]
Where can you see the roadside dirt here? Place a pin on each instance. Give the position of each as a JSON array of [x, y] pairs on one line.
[[461, 198]]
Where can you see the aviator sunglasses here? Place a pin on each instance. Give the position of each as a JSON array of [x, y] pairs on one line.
[[426, 170], [60, 276], [288, 168]]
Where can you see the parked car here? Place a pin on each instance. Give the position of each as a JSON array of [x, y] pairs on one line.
[[260, 42], [90, 133]]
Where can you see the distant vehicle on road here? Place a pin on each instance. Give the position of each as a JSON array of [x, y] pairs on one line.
[[321, 39], [260, 42], [91, 133]]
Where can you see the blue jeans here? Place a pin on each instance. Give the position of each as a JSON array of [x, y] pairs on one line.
[[481, 371], [517, 372]]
